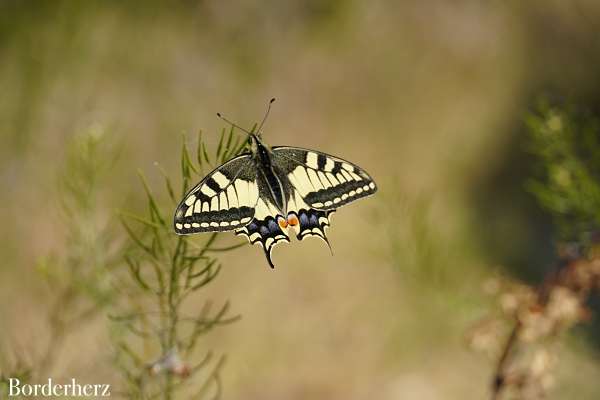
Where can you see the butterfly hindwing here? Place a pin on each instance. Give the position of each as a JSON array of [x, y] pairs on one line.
[[264, 229], [313, 223], [310, 222], [323, 181], [224, 200]]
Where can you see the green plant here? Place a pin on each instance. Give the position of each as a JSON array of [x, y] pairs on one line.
[[567, 144], [155, 339], [78, 278], [523, 334]]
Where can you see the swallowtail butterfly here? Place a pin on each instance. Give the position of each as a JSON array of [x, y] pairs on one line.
[[263, 193]]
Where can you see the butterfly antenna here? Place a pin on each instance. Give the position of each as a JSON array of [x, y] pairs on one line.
[[266, 115], [234, 125]]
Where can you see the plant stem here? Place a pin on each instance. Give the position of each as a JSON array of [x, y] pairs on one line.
[[499, 376]]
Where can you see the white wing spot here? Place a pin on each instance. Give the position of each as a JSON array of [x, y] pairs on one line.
[[187, 226], [232, 197], [178, 226], [224, 223], [301, 181], [223, 201], [262, 210], [190, 200], [348, 167], [241, 187], [332, 179], [221, 179], [372, 185], [356, 177], [196, 225], [311, 160], [252, 192], [347, 175], [324, 180], [246, 219], [254, 236], [207, 191], [215, 224], [329, 164], [314, 179], [204, 225]]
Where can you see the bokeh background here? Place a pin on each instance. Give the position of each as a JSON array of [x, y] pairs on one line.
[[428, 96]]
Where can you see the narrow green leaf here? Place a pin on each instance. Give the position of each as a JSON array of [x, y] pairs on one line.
[[134, 268], [199, 151], [213, 378], [137, 360], [205, 153], [204, 270], [228, 145], [135, 238], [185, 159], [154, 211], [220, 146], [159, 276], [139, 219], [185, 170], [137, 332], [208, 277], [168, 184]]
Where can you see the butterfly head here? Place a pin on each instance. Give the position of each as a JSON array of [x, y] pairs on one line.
[[255, 137]]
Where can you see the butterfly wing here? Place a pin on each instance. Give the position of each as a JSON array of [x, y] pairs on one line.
[[313, 223], [236, 197], [223, 201], [264, 228], [320, 184], [324, 182]]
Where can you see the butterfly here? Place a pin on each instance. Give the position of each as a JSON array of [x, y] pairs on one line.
[[264, 193]]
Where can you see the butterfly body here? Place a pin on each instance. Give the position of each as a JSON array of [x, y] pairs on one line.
[[261, 194]]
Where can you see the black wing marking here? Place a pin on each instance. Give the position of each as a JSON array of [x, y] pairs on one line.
[[264, 229], [223, 201], [305, 220], [313, 223], [324, 182]]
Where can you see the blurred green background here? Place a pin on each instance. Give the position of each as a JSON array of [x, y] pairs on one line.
[[428, 96]]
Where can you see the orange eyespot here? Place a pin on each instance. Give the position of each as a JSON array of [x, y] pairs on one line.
[[282, 222], [292, 220]]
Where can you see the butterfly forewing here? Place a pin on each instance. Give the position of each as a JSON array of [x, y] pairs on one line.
[[224, 200], [324, 182]]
